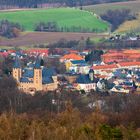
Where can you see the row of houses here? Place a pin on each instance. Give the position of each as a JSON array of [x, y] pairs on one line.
[[104, 73], [121, 56]]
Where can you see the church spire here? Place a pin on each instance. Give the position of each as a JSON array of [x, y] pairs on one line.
[[37, 63], [17, 63]]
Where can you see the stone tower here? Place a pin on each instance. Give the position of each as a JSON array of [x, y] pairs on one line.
[[17, 71], [37, 79]]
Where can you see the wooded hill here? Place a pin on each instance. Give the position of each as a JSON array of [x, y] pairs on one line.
[[36, 3]]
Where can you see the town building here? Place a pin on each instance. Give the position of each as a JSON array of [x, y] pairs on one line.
[[71, 56], [86, 82], [34, 78], [121, 56], [77, 66]]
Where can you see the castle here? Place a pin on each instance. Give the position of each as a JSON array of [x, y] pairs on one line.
[[35, 77]]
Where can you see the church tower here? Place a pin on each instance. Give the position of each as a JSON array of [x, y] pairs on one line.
[[91, 74], [17, 71], [37, 75]]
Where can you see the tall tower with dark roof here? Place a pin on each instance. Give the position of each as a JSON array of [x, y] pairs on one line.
[[37, 74], [91, 74], [17, 71]]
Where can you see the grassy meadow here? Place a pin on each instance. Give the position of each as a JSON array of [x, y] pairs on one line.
[[65, 17]]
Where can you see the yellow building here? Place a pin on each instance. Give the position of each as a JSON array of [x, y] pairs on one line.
[[34, 78]]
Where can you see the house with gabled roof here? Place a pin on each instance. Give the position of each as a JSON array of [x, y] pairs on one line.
[[71, 56], [77, 66]]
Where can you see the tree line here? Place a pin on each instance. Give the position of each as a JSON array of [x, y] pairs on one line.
[[35, 3], [52, 26]]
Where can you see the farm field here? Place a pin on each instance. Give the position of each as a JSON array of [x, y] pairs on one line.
[[127, 26], [99, 9], [133, 25], [64, 17], [34, 38]]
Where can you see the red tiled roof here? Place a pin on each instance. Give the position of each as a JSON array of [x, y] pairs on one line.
[[112, 54], [38, 50], [125, 64], [131, 51], [113, 66], [72, 56], [134, 56], [100, 67]]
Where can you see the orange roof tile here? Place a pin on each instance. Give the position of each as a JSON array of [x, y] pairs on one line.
[[103, 67], [72, 56], [134, 56], [112, 54], [131, 51], [124, 64]]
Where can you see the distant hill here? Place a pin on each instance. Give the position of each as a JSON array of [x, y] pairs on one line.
[[134, 6], [6, 4], [99, 9], [64, 17]]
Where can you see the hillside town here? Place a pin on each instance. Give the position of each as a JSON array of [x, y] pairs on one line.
[[116, 72], [69, 69]]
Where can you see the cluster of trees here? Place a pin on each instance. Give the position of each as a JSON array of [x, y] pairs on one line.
[[36, 3], [117, 17], [63, 43], [53, 27], [68, 117], [87, 43], [70, 125], [118, 44], [9, 29], [94, 55], [47, 27]]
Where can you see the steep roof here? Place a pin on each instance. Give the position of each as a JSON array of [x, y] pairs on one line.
[[28, 73], [25, 80], [85, 79], [17, 63], [37, 63], [47, 74], [47, 80]]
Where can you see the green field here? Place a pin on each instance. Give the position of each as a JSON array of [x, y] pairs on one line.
[[65, 17]]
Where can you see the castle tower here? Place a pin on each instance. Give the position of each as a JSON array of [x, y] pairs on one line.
[[37, 75], [17, 72]]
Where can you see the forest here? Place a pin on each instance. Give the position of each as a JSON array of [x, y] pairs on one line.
[[35, 3], [26, 117]]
